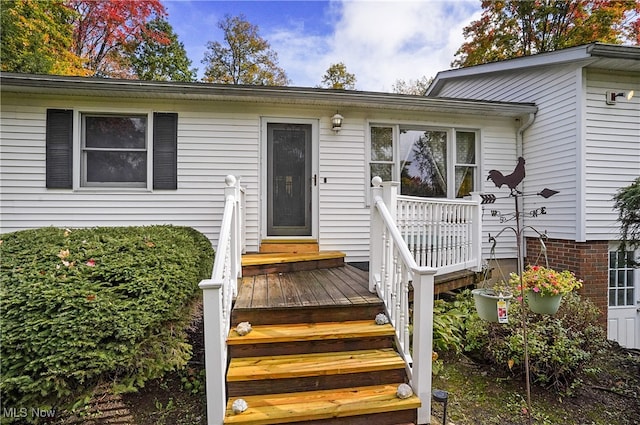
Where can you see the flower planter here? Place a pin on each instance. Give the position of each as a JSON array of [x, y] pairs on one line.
[[486, 301], [547, 304]]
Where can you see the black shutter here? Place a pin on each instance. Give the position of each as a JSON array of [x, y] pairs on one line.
[[59, 139], [165, 151]]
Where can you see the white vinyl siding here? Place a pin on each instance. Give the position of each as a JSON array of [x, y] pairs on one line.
[[612, 148], [216, 139], [550, 144]]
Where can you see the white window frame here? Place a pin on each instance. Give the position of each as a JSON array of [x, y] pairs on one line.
[[633, 284], [451, 152], [79, 167]]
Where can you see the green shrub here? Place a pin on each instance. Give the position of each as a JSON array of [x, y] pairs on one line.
[[84, 306], [558, 345], [449, 323]]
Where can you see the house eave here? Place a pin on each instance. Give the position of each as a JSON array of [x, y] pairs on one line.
[[109, 88], [594, 55]]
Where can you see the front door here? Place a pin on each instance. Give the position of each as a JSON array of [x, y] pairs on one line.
[[289, 180], [624, 300]]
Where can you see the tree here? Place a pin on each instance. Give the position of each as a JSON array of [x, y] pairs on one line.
[[337, 77], [246, 58], [416, 87], [627, 202], [36, 37], [513, 28], [160, 59], [104, 30]]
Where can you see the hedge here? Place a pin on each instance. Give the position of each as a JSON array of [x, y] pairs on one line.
[[85, 306]]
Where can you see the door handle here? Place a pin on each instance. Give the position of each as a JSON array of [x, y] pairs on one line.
[[315, 179]]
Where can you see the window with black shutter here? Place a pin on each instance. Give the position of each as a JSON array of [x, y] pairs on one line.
[[114, 150]]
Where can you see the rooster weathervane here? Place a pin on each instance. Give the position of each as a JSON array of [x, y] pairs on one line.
[[511, 180]]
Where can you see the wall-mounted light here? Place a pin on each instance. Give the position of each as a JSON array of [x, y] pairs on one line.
[[336, 122], [613, 95]]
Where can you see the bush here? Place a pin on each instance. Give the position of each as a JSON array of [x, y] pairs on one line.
[[558, 345], [84, 306], [449, 323]]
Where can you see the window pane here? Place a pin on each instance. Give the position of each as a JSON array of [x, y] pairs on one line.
[[630, 296], [464, 181], [115, 132], [423, 163], [612, 259], [612, 278], [381, 144], [465, 147], [385, 171], [621, 279], [620, 300], [116, 167]]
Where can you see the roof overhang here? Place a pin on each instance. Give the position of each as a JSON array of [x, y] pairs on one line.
[[109, 88], [594, 55]]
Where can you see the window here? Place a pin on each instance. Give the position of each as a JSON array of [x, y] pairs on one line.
[[114, 150], [428, 162], [621, 285]]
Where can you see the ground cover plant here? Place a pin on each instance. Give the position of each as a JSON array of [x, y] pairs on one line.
[[82, 307]]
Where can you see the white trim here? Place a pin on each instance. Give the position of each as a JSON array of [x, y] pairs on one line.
[[77, 166], [315, 153], [450, 130]]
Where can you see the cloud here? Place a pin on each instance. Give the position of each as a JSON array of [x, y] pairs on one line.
[[379, 41]]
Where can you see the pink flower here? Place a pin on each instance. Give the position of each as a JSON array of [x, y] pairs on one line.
[[536, 289], [91, 263]]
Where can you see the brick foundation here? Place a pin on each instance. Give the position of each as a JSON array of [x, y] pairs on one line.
[[588, 260]]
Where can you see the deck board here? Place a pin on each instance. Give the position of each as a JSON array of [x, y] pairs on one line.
[[339, 286]]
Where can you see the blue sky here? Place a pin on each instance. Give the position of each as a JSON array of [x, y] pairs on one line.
[[379, 41]]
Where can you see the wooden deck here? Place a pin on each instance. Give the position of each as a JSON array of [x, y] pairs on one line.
[[333, 287]]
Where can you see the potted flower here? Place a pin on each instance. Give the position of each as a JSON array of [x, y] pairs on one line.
[[544, 287], [492, 303]]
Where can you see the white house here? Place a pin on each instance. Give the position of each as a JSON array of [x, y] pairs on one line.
[[584, 141], [61, 165]]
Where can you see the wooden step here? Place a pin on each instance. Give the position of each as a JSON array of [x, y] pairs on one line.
[[267, 334], [308, 314], [289, 245], [306, 372], [361, 404], [285, 262]]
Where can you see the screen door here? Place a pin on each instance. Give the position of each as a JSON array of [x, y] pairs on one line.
[[289, 179]]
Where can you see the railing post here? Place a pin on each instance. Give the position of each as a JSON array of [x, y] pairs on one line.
[[232, 189], [215, 358], [390, 196], [423, 283], [476, 236], [375, 236]]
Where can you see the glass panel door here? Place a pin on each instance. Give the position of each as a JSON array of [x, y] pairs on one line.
[[289, 179]]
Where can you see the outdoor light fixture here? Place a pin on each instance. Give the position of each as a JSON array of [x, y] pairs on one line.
[[336, 122], [612, 96], [442, 396]]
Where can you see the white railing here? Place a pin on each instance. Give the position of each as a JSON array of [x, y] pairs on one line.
[[392, 269], [441, 233], [217, 297], [413, 239]]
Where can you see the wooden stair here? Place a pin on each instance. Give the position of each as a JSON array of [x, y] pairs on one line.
[[284, 262], [317, 371]]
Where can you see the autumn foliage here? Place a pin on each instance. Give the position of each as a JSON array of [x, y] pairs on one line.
[[514, 28], [103, 29]]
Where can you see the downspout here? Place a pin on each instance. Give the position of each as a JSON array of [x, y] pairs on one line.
[[520, 134], [519, 152]]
